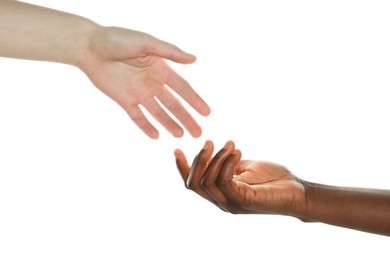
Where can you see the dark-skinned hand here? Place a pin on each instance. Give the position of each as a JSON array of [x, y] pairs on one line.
[[241, 186]]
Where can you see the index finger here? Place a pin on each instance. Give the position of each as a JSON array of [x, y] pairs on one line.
[[198, 169], [182, 165]]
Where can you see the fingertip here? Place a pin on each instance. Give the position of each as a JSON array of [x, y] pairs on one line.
[[171, 52], [208, 145], [237, 152], [178, 133], [229, 145], [208, 148], [206, 111], [237, 155], [196, 132], [178, 154], [181, 57], [154, 135], [191, 58]]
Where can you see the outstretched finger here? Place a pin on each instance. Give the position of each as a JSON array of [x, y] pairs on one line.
[[208, 181], [198, 169], [184, 89], [182, 165], [178, 110], [141, 121], [168, 51], [154, 108]]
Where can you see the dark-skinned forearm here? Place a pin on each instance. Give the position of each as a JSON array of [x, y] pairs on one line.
[[356, 208]]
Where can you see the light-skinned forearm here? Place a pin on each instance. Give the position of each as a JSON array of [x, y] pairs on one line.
[[356, 208], [38, 33]]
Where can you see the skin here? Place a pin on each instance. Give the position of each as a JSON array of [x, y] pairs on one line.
[[128, 66], [259, 187]]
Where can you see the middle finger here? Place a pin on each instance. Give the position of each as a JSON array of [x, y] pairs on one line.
[[208, 181]]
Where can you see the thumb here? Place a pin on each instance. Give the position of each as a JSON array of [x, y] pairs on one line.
[[168, 51]]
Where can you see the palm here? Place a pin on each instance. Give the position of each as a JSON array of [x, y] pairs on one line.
[[129, 67], [267, 188], [129, 82], [119, 69]]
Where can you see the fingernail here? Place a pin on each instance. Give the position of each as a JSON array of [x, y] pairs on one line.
[[206, 145], [227, 145], [178, 133], [197, 132], [204, 109]]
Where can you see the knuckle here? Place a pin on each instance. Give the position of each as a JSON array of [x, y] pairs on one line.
[[186, 118], [206, 183], [190, 184], [140, 122], [172, 106]]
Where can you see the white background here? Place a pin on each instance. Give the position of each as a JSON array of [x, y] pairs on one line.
[[301, 83]]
